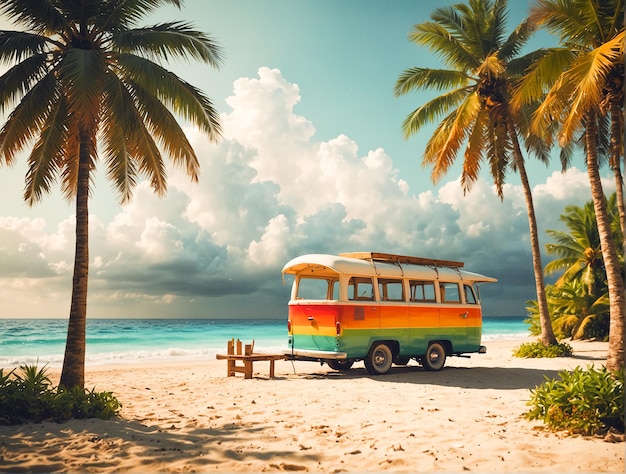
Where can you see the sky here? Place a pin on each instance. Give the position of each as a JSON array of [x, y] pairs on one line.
[[312, 160]]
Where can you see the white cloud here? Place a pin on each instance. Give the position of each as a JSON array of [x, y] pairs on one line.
[[268, 192]]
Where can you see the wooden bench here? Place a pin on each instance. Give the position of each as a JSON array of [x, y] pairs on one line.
[[248, 357]]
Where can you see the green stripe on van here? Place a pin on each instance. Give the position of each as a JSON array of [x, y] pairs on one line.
[[412, 341]]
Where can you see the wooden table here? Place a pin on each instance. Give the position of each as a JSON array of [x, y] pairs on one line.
[[234, 355]]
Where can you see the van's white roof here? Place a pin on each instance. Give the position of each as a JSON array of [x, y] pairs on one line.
[[321, 263]]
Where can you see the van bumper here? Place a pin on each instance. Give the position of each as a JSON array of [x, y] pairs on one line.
[[303, 354]]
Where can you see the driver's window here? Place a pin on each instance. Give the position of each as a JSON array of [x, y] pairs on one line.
[[470, 298]]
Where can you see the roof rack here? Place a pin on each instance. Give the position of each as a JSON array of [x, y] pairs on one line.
[[392, 258]]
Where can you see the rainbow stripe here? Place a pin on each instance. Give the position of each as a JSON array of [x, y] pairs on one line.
[[314, 327]]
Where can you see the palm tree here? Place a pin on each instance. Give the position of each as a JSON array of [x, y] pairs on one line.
[[578, 250], [574, 312], [475, 107], [88, 84], [577, 313], [582, 77]]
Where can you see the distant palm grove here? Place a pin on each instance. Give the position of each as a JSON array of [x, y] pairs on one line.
[[86, 86], [494, 100], [578, 301]]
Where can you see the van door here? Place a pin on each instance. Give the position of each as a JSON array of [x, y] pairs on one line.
[[423, 314], [362, 309], [453, 315], [474, 317], [394, 312]]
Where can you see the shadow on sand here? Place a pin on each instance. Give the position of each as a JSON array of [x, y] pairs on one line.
[[193, 450], [498, 378]]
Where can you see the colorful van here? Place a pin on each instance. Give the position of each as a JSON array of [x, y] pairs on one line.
[[383, 309]]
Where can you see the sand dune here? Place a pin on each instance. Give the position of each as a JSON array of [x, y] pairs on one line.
[[192, 418]]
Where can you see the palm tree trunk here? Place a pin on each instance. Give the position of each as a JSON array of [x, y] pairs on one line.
[[616, 162], [547, 333], [615, 358], [73, 372], [617, 149]]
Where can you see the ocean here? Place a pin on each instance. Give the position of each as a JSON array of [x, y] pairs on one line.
[[110, 341]]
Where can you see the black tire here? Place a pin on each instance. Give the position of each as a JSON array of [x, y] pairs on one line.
[[402, 360], [343, 365], [435, 357], [379, 359]]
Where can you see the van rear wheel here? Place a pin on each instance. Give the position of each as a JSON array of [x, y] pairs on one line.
[[435, 357], [379, 359], [343, 365]]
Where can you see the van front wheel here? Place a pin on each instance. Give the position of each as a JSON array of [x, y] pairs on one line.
[[379, 359], [435, 357]]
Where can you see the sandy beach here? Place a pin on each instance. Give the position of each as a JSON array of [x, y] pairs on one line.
[[190, 417]]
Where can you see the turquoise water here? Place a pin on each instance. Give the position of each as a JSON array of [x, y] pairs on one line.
[[42, 341]]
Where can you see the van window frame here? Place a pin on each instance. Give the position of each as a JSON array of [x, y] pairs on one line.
[[443, 285], [471, 288], [332, 288], [364, 281], [413, 283], [384, 286]]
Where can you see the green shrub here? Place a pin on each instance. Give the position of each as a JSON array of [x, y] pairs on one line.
[[583, 401], [530, 350], [29, 396]]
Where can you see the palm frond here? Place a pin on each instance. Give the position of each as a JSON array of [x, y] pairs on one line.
[[518, 66], [499, 146], [497, 24], [117, 118], [565, 18], [416, 78], [82, 73], [534, 143], [71, 160], [474, 152], [546, 67], [444, 145], [588, 73], [517, 40], [567, 154], [41, 16], [27, 119], [184, 99], [433, 110], [16, 46], [148, 157], [553, 109], [167, 131], [119, 15], [15, 82], [130, 151], [450, 48], [450, 19], [46, 158], [560, 264], [175, 40]]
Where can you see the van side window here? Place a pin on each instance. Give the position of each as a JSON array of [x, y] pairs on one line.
[[449, 292], [315, 289], [360, 289], [470, 298], [390, 289], [422, 291]]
